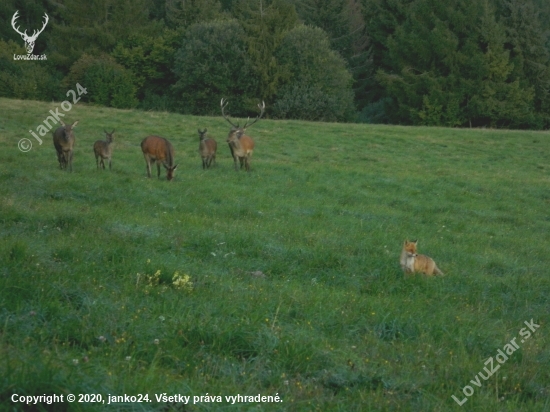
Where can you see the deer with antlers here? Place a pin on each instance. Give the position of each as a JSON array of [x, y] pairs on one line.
[[29, 40], [241, 145]]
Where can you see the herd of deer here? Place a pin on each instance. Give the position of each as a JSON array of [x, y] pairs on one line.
[[159, 150]]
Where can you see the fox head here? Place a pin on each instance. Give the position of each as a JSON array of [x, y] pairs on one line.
[[410, 247]]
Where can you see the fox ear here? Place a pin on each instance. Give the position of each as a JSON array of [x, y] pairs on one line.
[[415, 241]]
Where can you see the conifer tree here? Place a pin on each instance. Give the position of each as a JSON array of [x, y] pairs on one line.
[[265, 24], [527, 42], [95, 27]]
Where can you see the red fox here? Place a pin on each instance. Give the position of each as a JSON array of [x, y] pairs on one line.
[[411, 262]]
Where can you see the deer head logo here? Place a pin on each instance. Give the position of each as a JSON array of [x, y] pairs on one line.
[[29, 40]]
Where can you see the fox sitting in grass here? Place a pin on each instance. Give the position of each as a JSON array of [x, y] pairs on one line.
[[411, 262]]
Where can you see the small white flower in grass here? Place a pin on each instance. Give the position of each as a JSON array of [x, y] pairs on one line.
[[128, 358], [75, 361], [162, 318], [156, 341], [102, 338]]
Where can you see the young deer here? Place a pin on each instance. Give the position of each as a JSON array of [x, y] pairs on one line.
[[160, 150], [103, 150], [63, 141], [207, 149], [241, 145]]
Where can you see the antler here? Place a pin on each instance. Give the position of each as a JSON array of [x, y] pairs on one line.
[[36, 33], [262, 109], [223, 103], [14, 18]]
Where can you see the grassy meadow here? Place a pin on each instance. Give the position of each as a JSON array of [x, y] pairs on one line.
[[284, 281]]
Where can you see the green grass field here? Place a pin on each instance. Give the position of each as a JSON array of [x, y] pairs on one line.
[[332, 325]]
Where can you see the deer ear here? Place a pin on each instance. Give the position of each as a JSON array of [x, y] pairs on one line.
[[62, 123], [74, 124], [175, 167], [113, 131]]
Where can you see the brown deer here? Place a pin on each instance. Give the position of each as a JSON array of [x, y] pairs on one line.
[[160, 150], [241, 145], [207, 149], [63, 140], [103, 150]]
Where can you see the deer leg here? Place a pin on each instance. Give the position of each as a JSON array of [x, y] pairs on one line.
[[148, 166], [158, 169], [68, 160]]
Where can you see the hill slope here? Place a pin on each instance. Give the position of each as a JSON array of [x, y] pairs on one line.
[[329, 323]]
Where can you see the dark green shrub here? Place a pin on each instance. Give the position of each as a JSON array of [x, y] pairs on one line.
[[106, 81], [319, 85], [212, 64], [24, 79]]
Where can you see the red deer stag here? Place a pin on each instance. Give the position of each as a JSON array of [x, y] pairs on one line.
[[241, 145], [103, 150], [63, 140], [207, 149], [160, 150]]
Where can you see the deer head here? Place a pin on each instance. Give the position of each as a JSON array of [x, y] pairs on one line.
[[109, 136], [29, 40], [202, 134]]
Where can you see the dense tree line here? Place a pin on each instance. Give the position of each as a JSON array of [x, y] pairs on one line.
[[456, 63]]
